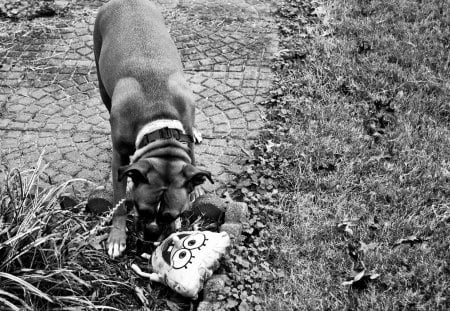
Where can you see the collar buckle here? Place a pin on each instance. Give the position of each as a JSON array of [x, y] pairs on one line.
[[165, 133]]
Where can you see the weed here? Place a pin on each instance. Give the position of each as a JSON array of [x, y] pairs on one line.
[[51, 258]]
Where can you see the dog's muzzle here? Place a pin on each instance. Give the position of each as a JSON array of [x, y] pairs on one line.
[[152, 231]]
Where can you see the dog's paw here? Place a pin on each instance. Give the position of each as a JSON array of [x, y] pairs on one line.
[[197, 136], [116, 242]]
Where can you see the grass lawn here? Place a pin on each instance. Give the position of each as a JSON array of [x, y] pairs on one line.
[[362, 115]]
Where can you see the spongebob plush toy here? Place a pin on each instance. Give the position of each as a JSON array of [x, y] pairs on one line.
[[185, 260]]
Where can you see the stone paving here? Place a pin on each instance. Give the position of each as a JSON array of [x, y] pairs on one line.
[[49, 96]]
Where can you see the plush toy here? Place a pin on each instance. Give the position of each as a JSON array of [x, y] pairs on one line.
[[185, 260]]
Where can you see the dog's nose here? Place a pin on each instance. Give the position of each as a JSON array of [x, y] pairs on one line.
[[152, 231], [168, 217]]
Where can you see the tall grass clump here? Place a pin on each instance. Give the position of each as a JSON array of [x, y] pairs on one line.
[[51, 258]]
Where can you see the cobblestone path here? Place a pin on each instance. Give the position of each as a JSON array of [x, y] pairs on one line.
[[49, 96]]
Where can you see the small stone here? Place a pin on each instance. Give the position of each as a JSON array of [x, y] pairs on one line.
[[4, 123], [214, 286], [205, 306], [210, 207], [99, 201], [68, 201], [233, 229], [236, 212]]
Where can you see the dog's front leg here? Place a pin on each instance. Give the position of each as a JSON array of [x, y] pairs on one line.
[[117, 237], [198, 190]]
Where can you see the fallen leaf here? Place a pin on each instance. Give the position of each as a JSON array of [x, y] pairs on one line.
[[374, 276], [374, 226], [361, 279], [320, 10], [378, 158], [97, 241], [61, 3], [270, 145], [359, 276], [259, 225], [363, 247], [412, 239], [345, 227], [244, 263]]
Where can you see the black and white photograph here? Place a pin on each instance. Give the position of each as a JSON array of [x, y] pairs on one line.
[[225, 155]]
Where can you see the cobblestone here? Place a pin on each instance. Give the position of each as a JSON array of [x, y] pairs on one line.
[[49, 97]]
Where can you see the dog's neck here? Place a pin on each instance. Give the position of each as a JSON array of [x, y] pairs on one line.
[[156, 125], [152, 127]]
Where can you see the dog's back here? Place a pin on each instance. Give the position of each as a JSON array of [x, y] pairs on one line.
[[131, 40], [139, 69]]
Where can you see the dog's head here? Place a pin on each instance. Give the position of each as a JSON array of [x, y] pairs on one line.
[[161, 190]]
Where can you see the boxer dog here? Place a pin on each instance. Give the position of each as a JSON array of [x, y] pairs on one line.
[[151, 108]]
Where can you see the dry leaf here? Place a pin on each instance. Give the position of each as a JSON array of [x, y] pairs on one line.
[[412, 239], [359, 276], [363, 247], [361, 279], [97, 241], [345, 227]]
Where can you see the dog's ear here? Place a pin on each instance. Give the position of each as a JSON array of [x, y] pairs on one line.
[[195, 176], [137, 171]]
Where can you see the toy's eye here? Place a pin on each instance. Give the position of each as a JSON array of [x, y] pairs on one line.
[[181, 258], [194, 241]]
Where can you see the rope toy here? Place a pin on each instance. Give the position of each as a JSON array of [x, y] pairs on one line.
[[110, 215]]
